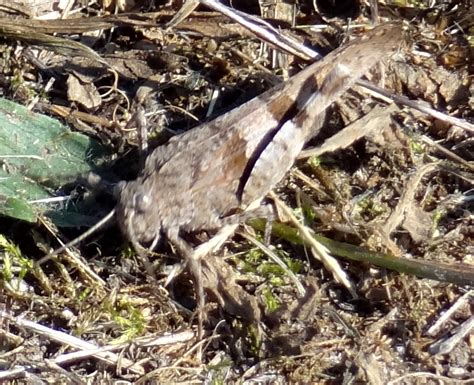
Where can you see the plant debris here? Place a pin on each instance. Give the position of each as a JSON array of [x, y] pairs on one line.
[[374, 223]]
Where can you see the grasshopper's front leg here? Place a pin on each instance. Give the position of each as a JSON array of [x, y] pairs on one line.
[[193, 262]]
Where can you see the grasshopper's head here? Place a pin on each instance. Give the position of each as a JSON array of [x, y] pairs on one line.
[[137, 214]]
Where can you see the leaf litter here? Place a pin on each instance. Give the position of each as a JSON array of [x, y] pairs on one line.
[[391, 190]]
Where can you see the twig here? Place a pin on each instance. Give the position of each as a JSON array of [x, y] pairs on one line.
[[67, 339], [460, 274], [318, 249]]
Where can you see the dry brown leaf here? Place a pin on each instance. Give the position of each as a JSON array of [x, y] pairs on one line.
[[85, 94], [418, 223], [219, 279], [407, 200]]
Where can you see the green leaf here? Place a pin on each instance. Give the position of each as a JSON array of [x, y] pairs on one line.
[[17, 208], [38, 155]]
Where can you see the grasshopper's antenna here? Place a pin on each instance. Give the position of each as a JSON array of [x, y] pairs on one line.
[[80, 238]]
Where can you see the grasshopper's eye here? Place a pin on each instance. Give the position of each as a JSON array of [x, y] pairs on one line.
[[141, 202], [118, 189]]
